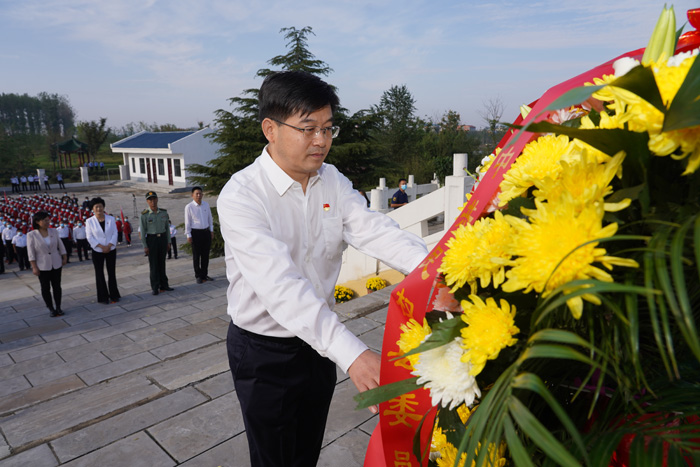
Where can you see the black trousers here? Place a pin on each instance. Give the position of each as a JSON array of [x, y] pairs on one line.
[[51, 280], [157, 249], [83, 247], [9, 251], [201, 244], [285, 389], [173, 247], [22, 258], [106, 291], [68, 243]]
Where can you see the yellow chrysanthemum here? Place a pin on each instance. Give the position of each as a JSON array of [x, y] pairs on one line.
[[669, 77], [556, 234], [539, 159], [412, 335], [490, 329], [477, 253], [495, 458], [438, 441], [464, 412], [586, 180]]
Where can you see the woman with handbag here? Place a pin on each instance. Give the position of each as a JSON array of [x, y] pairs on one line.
[[47, 256]]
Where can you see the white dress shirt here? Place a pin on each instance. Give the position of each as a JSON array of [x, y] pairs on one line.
[[9, 233], [79, 233], [198, 216], [284, 252], [20, 240], [63, 231]]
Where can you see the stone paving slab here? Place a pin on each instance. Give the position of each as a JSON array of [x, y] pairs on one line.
[[65, 369], [117, 368], [201, 428], [217, 385], [138, 450], [40, 393], [184, 346], [28, 366], [38, 456], [120, 426], [231, 453], [200, 364], [44, 349], [133, 348], [65, 412]]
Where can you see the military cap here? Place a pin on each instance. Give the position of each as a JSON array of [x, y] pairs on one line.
[[151, 194]]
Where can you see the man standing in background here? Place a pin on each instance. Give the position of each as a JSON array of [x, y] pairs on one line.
[[199, 229], [155, 234]]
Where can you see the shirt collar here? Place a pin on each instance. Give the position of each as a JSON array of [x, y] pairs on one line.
[[278, 177]]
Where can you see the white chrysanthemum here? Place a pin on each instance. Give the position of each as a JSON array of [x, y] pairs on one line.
[[446, 376], [623, 65]]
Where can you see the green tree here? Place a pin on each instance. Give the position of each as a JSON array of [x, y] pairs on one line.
[[445, 138], [399, 133], [94, 134], [238, 130]]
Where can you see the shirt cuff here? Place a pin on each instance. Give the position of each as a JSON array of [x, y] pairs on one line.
[[345, 349]]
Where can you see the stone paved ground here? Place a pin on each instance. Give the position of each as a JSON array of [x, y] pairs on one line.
[[144, 382]]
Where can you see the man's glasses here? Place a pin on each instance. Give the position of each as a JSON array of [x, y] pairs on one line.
[[312, 131]]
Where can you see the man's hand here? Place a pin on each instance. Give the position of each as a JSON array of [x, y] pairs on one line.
[[364, 373], [145, 250], [189, 239]]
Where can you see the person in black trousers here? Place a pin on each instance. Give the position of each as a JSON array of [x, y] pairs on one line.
[[101, 232], [199, 229]]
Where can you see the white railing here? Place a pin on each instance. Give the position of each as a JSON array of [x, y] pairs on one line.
[[426, 202]]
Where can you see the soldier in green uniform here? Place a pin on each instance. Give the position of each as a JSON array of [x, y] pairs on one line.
[[155, 236]]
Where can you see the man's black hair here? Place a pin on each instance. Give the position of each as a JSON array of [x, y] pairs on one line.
[[95, 201], [287, 93], [195, 188], [402, 180]]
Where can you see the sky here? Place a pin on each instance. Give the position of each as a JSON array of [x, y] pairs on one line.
[[178, 61]]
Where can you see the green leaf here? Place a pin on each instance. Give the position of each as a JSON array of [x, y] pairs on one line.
[[554, 351], [518, 453], [558, 335], [686, 320], [640, 81], [609, 140], [532, 382], [386, 392], [684, 110], [573, 97], [539, 434], [442, 333]]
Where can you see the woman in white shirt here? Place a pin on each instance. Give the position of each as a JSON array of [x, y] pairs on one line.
[[47, 255], [101, 232]]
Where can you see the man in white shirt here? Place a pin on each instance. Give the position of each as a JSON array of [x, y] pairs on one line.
[[64, 233], [199, 229], [19, 241], [285, 220], [81, 243], [8, 234]]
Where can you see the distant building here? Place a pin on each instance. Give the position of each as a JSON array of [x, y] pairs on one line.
[[467, 127], [161, 158]]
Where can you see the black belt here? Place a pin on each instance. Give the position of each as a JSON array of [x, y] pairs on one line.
[[155, 235], [200, 230], [277, 340]]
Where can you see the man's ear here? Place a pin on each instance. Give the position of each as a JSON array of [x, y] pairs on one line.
[[269, 130]]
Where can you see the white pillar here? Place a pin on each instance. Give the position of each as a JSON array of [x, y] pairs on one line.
[[124, 172], [459, 163], [378, 200], [411, 189], [84, 177]]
